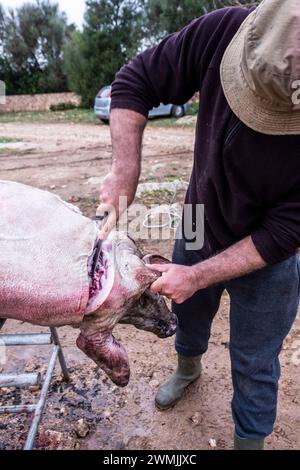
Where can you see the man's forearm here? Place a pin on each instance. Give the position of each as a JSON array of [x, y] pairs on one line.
[[179, 283], [127, 128], [238, 260], [118, 188]]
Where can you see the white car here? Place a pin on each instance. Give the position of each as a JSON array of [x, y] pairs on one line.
[[103, 101]]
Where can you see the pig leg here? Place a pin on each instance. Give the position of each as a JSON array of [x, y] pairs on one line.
[[108, 354]]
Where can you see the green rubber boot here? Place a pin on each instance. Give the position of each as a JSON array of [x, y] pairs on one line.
[[248, 444], [189, 369]]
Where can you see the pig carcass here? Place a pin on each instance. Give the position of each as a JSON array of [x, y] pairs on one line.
[[51, 274]]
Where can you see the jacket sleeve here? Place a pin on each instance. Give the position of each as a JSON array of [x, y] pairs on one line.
[[278, 237], [170, 72]]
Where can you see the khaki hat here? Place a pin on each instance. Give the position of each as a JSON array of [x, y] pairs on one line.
[[260, 70]]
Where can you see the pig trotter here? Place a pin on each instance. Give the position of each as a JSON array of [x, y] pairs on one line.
[[108, 354]]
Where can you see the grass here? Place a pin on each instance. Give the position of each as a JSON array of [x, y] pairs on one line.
[[157, 196], [193, 109], [170, 122], [5, 150], [80, 116], [161, 122], [9, 151], [6, 140], [171, 178], [157, 193], [72, 116]]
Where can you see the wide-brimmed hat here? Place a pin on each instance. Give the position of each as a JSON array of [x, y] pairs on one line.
[[260, 70]]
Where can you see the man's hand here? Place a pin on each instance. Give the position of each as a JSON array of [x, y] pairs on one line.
[[178, 283], [117, 192]]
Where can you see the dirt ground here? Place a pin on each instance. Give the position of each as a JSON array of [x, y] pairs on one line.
[[70, 159]]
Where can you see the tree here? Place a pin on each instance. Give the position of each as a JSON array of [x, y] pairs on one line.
[[111, 37], [32, 39], [167, 16]]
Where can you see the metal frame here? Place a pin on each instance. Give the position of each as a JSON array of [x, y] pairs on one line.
[[22, 380]]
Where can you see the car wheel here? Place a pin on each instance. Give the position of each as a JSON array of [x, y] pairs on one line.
[[178, 112], [105, 121]]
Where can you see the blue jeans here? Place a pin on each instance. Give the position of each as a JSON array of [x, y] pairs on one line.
[[263, 308]]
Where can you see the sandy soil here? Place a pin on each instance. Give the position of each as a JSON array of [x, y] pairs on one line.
[[70, 161]]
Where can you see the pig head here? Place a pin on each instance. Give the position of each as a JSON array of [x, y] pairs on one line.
[[150, 311], [119, 293]]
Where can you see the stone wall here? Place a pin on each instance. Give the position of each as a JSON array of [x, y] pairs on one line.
[[42, 102]]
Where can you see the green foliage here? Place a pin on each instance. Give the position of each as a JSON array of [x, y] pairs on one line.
[[32, 39], [193, 108], [167, 16], [111, 37], [73, 116], [6, 140], [63, 107], [41, 53]]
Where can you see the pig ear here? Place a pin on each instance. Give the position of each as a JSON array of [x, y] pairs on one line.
[[144, 276], [155, 259]]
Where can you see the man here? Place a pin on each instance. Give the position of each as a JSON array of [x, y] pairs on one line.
[[246, 65]]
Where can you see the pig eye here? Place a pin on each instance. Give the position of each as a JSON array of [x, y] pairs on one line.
[[143, 301]]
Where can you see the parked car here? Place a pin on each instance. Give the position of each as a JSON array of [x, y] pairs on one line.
[[103, 101]]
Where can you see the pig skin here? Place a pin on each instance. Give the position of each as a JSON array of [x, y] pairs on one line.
[[131, 279], [46, 248]]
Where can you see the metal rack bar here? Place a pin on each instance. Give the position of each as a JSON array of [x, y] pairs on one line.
[[26, 340], [24, 380], [61, 356], [41, 403], [19, 380], [17, 409]]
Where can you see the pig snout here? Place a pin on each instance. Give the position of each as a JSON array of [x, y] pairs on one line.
[[162, 327], [155, 312], [165, 329], [108, 354], [150, 313]]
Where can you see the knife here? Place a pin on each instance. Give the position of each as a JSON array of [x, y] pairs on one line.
[[99, 219]]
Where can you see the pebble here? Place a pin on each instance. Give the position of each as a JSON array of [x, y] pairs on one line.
[[213, 443], [74, 199], [154, 383], [196, 418], [62, 411], [81, 428], [107, 414], [54, 436]]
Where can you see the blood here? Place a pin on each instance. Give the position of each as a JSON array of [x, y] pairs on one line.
[[100, 273]]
